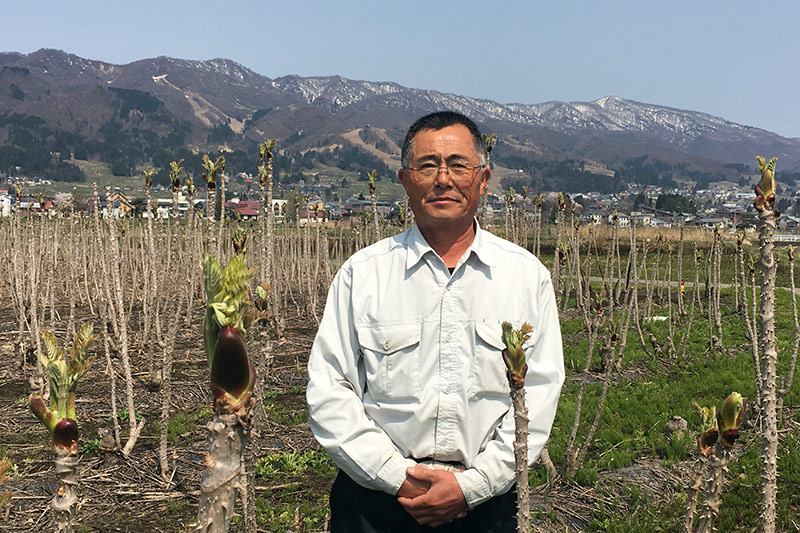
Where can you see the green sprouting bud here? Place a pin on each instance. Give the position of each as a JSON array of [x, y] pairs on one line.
[[63, 375], [148, 177], [514, 354], [265, 150], [766, 188], [708, 414], [563, 250], [226, 297], [212, 169], [40, 409], [262, 292], [488, 142], [176, 167], [228, 314], [730, 417], [240, 240]]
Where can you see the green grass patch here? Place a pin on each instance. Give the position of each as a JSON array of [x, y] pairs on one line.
[[281, 465], [289, 509], [287, 409], [649, 391]]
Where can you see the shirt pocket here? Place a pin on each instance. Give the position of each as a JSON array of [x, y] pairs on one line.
[[488, 377], [391, 360]]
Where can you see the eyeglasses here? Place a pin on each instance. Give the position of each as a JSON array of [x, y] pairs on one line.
[[461, 172]]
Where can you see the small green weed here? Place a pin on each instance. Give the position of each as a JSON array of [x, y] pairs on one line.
[[295, 464], [92, 446], [586, 476], [284, 415], [173, 506], [123, 416], [289, 510], [179, 424]]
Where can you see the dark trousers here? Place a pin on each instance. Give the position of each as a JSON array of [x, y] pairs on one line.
[[355, 509]]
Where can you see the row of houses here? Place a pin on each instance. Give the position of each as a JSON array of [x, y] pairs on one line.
[[599, 211], [118, 205], [655, 218]]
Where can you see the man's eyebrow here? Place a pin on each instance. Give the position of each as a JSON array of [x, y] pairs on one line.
[[436, 158], [457, 157]]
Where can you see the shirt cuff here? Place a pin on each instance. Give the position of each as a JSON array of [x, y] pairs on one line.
[[474, 486], [393, 473]]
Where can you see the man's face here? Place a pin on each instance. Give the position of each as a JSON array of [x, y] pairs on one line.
[[441, 203]]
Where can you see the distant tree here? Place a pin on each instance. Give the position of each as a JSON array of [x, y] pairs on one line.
[[221, 133], [292, 200], [675, 203], [68, 172], [16, 92], [80, 152], [121, 168]]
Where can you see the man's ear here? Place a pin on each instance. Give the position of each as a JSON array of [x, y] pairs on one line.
[[485, 175], [402, 175]]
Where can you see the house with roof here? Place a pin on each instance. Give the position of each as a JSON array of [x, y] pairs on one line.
[[789, 223], [656, 222], [29, 205], [120, 205], [641, 219], [244, 209], [623, 220], [713, 222]]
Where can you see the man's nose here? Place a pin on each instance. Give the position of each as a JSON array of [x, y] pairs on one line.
[[443, 178]]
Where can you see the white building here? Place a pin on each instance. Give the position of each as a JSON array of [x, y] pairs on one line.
[[5, 205], [622, 219]]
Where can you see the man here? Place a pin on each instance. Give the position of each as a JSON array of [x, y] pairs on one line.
[[407, 389]]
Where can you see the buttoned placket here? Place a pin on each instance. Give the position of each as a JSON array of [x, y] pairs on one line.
[[451, 376]]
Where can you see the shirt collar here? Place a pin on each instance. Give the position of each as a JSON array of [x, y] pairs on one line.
[[417, 247]]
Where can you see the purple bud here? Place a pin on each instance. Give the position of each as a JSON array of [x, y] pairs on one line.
[[66, 434], [230, 369]]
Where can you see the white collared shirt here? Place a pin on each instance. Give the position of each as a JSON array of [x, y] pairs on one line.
[[407, 362]]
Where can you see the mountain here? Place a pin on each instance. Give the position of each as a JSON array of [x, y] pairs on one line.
[[149, 111]]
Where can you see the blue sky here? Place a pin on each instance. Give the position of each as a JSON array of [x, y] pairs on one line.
[[735, 59]]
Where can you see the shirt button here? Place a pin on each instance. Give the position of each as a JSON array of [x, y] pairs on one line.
[[385, 345]]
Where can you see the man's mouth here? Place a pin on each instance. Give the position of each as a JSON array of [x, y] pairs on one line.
[[441, 199]]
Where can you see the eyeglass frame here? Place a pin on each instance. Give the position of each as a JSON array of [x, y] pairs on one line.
[[447, 170]]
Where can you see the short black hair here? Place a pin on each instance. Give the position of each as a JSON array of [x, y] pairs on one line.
[[437, 121]]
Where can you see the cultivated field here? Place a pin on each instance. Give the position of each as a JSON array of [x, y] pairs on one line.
[[622, 462]]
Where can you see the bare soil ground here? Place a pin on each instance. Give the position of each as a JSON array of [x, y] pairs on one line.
[[127, 494]]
